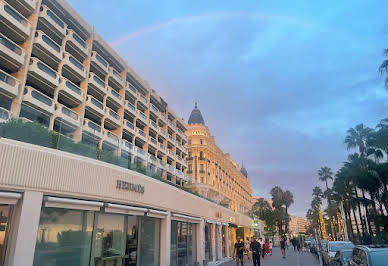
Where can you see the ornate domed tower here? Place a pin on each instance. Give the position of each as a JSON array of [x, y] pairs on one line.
[[243, 171]]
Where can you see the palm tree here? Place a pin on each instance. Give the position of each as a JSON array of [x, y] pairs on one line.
[[325, 174], [277, 197], [384, 68], [288, 199], [358, 137]]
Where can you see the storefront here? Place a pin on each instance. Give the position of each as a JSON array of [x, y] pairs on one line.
[[74, 211]]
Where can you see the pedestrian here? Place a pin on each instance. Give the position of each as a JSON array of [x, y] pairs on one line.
[[270, 247], [297, 243], [266, 246], [238, 252], [283, 247], [247, 247], [293, 242], [255, 248]]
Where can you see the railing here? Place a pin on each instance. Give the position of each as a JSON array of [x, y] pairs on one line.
[[116, 73], [46, 69], [16, 15], [171, 138], [4, 114], [116, 94], [41, 97], [171, 169], [112, 136], [57, 20], [171, 153], [79, 40], [70, 113], [131, 106], [10, 45], [153, 140], [140, 150], [179, 130], [130, 125], [179, 158], [161, 146], [94, 126], [130, 86], [101, 60], [154, 124], [142, 115], [141, 132], [114, 114], [162, 132], [76, 63], [73, 87], [98, 80], [51, 43], [127, 144], [7, 78], [97, 103], [156, 110]]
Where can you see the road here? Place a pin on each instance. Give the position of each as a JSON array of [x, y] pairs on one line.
[[303, 258]]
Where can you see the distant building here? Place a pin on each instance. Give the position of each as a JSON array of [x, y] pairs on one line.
[[298, 225]]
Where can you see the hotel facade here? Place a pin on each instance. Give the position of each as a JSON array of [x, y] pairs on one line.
[[93, 167]]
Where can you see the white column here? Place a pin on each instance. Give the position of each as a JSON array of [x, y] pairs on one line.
[[213, 239], [165, 240], [25, 229], [227, 241], [219, 239], [200, 234]]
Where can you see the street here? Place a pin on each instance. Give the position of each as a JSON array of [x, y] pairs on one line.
[[302, 258]]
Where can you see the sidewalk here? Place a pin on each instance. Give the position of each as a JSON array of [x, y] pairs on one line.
[[293, 258]]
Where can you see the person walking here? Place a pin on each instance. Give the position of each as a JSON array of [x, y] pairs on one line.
[[266, 246], [247, 247], [262, 248], [293, 242], [238, 252], [297, 243], [255, 248], [283, 247]]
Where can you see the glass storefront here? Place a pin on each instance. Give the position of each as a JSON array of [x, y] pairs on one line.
[[64, 238], [183, 244], [5, 214], [223, 230], [74, 237]]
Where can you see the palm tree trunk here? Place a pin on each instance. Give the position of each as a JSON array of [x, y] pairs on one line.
[[367, 213], [375, 214], [356, 222], [359, 210]]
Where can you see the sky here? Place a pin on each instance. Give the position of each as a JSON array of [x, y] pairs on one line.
[[278, 82]]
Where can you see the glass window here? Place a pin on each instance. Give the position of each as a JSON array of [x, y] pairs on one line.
[[132, 233], [183, 244], [5, 211], [64, 237], [149, 241], [208, 246], [191, 244], [110, 239], [173, 247]]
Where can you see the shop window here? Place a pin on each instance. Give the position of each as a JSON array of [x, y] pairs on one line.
[[183, 244], [149, 247], [200, 141], [64, 237], [5, 211]]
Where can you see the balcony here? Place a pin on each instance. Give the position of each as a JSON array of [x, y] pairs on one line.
[[8, 85], [5, 115], [11, 55], [153, 142], [24, 6], [46, 49], [67, 116], [42, 74], [114, 97], [162, 118], [153, 125], [171, 124], [115, 78], [142, 116], [154, 109], [38, 101], [140, 153], [171, 154], [76, 44], [128, 127], [142, 99], [94, 106], [179, 173], [52, 22], [111, 139], [99, 63], [130, 89], [13, 24], [72, 68], [71, 92], [162, 147], [171, 139], [141, 134], [127, 146], [171, 169], [162, 133], [130, 108], [92, 129], [112, 118], [97, 84]]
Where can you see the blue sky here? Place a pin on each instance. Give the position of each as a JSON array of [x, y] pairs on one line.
[[278, 82]]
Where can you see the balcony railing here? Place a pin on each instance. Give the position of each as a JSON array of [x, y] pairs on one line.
[[171, 124], [114, 114], [170, 152], [141, 132], [52, 21], [130, 124], [70, 113], [100, 62], [171, 138], [5, 115], [8, 84], [162, 146], [51, 43], [155, 109], [127, 144], [116, 94], [142, 115], [10, 45], [154, 125], [131, 106], [97, 103]]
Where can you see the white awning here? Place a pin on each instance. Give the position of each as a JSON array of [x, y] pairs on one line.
[[157, 213], [124, 209], [65, 203], [10, 198], [185, 218]]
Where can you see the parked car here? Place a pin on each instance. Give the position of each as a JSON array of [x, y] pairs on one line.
[[341, 257], [328, 252], [372, 255]]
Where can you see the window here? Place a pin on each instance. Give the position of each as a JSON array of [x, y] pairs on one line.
[[201, 167], [64, 237], [190, 168], [189, 141], [183, 243], [5, 211], [200, 141]]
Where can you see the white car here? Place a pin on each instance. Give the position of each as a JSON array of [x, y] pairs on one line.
[[332, 247]]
